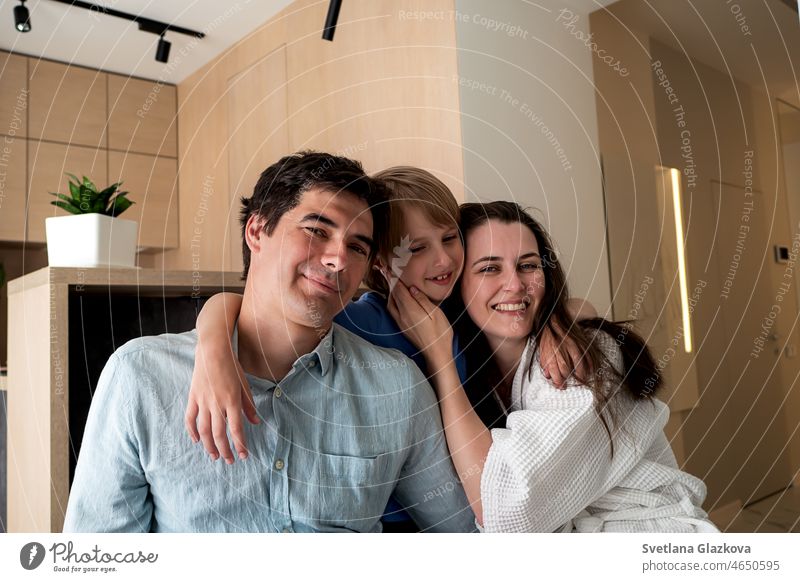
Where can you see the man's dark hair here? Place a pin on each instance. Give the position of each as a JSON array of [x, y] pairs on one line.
[[283, 183]]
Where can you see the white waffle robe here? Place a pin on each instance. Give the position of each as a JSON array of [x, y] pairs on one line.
[[551, 468]]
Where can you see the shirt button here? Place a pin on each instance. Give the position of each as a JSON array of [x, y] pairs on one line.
[[312, 363], [278, 392], [279, 464], [287, 530]]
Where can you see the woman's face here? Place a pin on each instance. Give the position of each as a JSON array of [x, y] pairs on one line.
[[503, 282], [434, 252]]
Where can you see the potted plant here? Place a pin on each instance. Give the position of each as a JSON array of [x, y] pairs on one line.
[[93, 236]]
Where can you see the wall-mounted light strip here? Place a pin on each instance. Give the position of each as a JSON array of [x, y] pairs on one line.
[[675, 176]]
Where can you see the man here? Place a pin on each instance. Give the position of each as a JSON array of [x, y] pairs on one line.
[[345, 426]]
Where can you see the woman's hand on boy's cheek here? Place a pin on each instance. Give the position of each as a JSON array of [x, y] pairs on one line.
[[422, 322]]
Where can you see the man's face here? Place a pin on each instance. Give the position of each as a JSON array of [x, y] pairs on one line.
[[310, 267]]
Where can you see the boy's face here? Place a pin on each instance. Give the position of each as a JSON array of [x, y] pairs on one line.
[[314, 261], [436, 255]]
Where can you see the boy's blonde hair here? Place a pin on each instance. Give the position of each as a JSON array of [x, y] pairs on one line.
[[410, 187]]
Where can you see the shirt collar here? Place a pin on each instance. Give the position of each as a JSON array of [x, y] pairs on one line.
[[322, 354], [324, 351]]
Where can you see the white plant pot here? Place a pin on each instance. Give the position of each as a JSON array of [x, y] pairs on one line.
[[90, 240]]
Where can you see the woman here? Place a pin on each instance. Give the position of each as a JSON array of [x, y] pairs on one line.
[[592, 457]]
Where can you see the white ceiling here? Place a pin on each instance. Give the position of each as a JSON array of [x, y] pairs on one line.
[[76, 35], [706, 29]]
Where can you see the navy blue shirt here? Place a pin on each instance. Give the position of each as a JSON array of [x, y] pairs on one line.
[[369, 318]]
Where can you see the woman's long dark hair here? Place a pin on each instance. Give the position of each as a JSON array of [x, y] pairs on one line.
[[640, 376]]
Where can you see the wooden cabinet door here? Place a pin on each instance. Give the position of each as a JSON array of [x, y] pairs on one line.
[[13, 146], [13, 152], [13, 95], [47, 163], [67, 104], [153, 185], [142, 116]]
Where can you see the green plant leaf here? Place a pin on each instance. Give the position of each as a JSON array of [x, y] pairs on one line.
[[68, 207], [87, 183], [74, 185], [104, 197], [86, 199], [66, 199], [98, 206], [75, 190], [120, 205]]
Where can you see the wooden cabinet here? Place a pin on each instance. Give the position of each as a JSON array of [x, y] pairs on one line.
[[65, 324], [57, 118], [47, 164], [142, 116], [13, 95], [67, 104], [152, 183], [13, 146], [13, 153]]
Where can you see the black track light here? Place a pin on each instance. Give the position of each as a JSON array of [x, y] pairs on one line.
[[330, 21], [22, 17], [145, 24], [162, 50]]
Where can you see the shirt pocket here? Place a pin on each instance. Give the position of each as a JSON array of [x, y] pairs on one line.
[[354, 491]]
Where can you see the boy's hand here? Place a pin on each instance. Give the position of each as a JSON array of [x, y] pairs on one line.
[[218, 396]]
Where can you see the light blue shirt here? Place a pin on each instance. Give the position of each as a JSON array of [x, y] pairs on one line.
[[368, 317], [349, 426]]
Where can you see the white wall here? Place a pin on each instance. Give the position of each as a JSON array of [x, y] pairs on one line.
[[529, 125]]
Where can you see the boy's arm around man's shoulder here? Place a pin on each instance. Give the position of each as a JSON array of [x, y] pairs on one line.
[[110, 492]]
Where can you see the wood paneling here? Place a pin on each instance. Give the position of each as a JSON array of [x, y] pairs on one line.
[[67, 104], [17, 260], [142, 116], [151, 181], [13, 178], [31, 384], [68, 113], [47, 163], [13, 94], [258, 134], [382, 93]]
